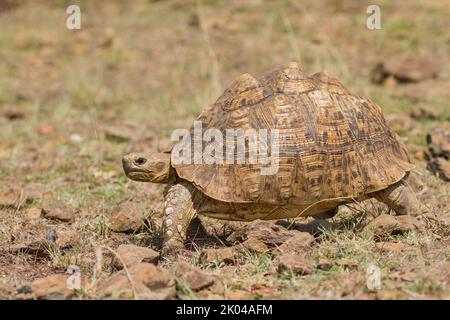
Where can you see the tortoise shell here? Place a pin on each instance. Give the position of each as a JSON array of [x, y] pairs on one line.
[[332, 144]]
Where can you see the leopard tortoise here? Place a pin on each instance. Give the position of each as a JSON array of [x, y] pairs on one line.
[[334, 148]]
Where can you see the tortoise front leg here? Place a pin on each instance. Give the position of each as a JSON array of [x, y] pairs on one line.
[[178, 214], [401, 198]]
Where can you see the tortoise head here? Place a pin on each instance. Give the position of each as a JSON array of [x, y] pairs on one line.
[[148, 167]]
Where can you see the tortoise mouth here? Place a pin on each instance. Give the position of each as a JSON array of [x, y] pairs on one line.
[[129, 168], [133, 171], [138, 175]]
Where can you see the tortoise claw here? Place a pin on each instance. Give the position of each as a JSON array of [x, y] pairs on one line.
[[171, 248]]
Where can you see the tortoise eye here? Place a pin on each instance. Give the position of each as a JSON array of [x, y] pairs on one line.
[[140, 161]]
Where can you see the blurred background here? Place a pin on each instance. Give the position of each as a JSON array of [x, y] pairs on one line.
[[72, 102]]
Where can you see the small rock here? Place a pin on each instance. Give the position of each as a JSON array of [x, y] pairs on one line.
[[382, 225], [122, 133], [407, 223], [67, 239], [390, 294], [194, 20], [239, 295], [388, 225], [26, 289], [402, 121], [255, 245], [300, 265], [395, 247], [14, 115], [418, 153], [131, 255], [439, 141], [152, 276], [13, 196], [207, 295], [390, 82], [266, 231], [37, 249], [9, 197], [46, 130], [298, 243], [324, 264], [222, 255], [7, 290], [420, 113], [406, 69], [76, 138], [195, 278], [33, 213], [407, 273], [53, 287], [33, 191], [348, 264], [57, 210], [440, 167], [149, 282], [418, 93], [378, 74], [127, 218]]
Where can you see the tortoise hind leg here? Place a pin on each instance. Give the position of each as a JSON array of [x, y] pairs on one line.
[[401, 198], [179, 211]]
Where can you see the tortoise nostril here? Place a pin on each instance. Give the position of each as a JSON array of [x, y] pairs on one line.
[[140, 161]]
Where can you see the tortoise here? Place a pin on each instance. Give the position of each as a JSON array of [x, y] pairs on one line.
[[334, 148]]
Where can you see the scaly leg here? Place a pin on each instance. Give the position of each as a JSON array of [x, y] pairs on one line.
[[401, 198], [178, 214]]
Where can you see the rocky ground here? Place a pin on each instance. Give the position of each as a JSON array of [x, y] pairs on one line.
[[73, 102]]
